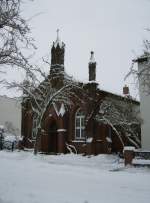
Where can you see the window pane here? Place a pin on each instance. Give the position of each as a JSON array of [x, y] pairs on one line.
[[77, 133], [82, 133], [80, 113], [82, 122], [77, 122]]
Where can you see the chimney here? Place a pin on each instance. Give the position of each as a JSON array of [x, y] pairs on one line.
[[126, 91], [92, 68]]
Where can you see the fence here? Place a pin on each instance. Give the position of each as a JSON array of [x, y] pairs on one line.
[[142, 154], [136, 157], [8, 145]]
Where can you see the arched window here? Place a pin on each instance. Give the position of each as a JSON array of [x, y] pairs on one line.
[[79, 125]]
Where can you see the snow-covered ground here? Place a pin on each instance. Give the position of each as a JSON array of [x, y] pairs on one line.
[[25, 178]]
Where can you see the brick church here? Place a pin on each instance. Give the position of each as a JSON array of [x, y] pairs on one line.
[[74, 128]]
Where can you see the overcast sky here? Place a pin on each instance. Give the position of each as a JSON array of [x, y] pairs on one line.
[[113, 29]]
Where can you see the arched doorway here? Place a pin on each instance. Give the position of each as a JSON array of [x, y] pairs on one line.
[[52, 137]]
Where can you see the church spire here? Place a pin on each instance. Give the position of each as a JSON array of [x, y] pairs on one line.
[[58, 41], [57, 55]]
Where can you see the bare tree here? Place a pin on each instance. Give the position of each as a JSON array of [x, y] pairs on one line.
[[123, 117], [121, 114], [40, 95], [141, 73], [14, 35]]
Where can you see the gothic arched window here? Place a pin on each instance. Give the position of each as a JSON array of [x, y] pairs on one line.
[[80, 125]]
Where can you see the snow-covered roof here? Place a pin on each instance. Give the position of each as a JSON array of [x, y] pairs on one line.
[[108, 92], [10, 98], [120, 95], [142, 58]]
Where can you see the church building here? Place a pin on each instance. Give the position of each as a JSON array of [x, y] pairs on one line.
[[74, 127]]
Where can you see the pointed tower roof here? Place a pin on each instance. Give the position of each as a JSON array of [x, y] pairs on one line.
[[92, 59], [58, 40], [57, 56]]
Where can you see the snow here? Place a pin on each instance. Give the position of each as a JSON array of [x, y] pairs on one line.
[[9, 137], [89, 139], [61, 130], [62, 110], [71, 148], [1, 127], [58, 42], [109, 139], [70, 179], [129, 148], [141, 150], [141, 161], [76, 141], [92, 81]]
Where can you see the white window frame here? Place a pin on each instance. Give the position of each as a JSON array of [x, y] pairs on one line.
[[81, 127]]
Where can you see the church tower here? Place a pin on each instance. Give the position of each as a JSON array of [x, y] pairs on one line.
[[57, 56]]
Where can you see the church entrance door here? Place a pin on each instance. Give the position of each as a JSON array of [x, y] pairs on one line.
[[52, 138]]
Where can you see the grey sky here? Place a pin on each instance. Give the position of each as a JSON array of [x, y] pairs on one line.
[[111, 28]]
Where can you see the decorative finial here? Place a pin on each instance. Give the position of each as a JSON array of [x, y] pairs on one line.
[[92, 60], [57, 34], [58, 41], [92, 54]]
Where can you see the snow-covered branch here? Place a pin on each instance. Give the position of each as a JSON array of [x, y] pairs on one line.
[[14, 35], [123, 117]]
